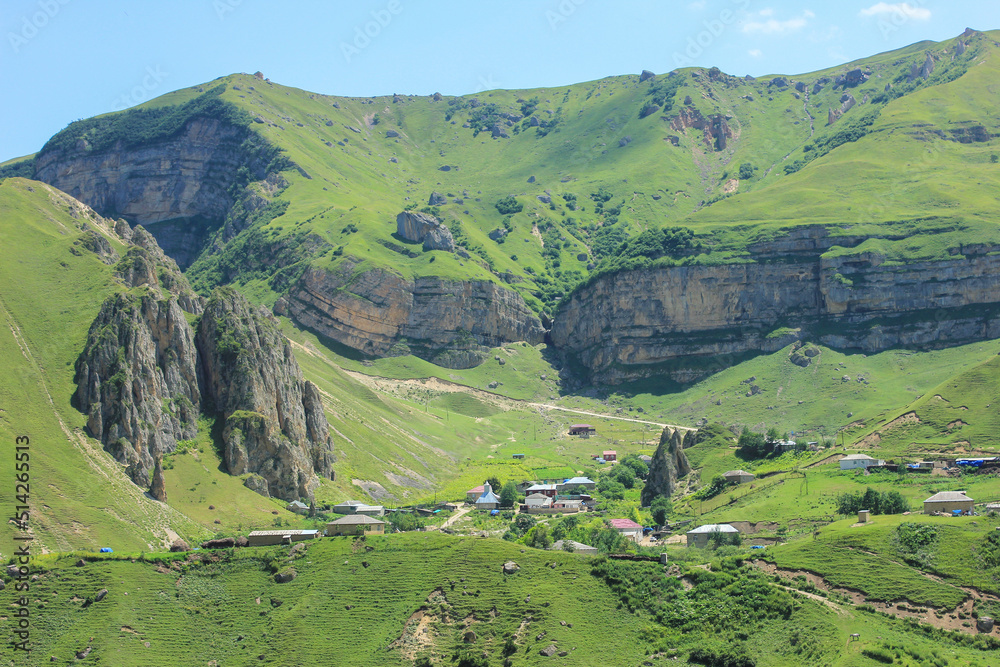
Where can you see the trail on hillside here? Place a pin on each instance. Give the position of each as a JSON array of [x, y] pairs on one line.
[[385, 385]]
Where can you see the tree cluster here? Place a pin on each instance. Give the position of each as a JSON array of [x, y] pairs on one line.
[[878, 502]]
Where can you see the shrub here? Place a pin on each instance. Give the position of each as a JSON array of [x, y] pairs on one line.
[[508, 205]]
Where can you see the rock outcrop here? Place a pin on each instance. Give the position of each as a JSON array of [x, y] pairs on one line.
[[145, 376], [668, 465], [684, 322], [138, 380], [445, 321], [158, 486], [715, 127], [274, 423], [423, 228]]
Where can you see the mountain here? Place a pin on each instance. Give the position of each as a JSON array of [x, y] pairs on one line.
[[556, 201]]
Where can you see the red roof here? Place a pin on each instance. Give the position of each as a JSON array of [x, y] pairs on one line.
[[580, 426], [624, 524], [478, 490], [610, 451]]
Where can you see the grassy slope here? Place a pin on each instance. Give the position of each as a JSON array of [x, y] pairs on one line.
[[79, 497]]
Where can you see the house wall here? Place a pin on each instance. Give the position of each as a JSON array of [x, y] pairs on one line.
[[856, 463], [551, 510], [964, 505]]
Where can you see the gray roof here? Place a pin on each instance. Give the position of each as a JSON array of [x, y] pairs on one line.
[[261, 533], [736, 472], [577, 546], [858, 457], [354, 520], [578, 480], [488, 496], [713, 528], [948, 497]]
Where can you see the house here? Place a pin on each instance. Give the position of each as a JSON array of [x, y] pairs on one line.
[[783, 446], [356, 524], [298, 507], [948, 502], [575, 547], [265, 538], [854, 461], [700, 536], [473, 494], [518, 456], [357, 507], [575, 482], [628, 528], [738, 476], [646, 458], [538, 500], [489, 500], [610, 455], [568, 505], [544, 489], [582, 429]]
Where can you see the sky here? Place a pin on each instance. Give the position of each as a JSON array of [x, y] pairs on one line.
[[62, 60]]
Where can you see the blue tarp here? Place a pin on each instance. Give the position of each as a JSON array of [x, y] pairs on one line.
[[956, 512], [107, 550], [494, 512], [975, 463]]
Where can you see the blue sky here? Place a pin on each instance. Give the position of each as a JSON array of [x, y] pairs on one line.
[[61, 60]]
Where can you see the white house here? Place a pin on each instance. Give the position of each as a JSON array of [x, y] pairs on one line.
[[537, 500], [700, 536], [853, 461], [628, 528], [738, 476]]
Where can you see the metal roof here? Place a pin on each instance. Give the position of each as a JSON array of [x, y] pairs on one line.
[[622, 524], [737, 472], [713, 528], [262, 533], [578, 480], [948, 497], [858, 457], [354, 520]]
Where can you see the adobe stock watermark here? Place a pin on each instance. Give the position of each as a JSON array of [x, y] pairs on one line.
[[703, 40], [363, 35], [223, 7], [142, 91], [35, 22], [562, 12], [892, 17]]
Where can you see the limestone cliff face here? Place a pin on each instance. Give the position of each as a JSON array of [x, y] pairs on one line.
[[145, 264], [179, 188], [376, 310], [274, 422], [687, 321], [669, 463], [138, 380]]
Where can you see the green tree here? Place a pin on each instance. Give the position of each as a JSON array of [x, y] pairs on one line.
[[495, 484], [538, 537], [661, 507], [508, 205], [624, 475], [746, 170], [508, 494], [637, 465], [610, 488]]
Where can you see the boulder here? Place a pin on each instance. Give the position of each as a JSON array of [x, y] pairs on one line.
[[285, 576], [423, 228], [391, 134], [646, 75], [544, 198], [984, 624], [158, 488], [257, 484], [549, 651], [179, 545], [510, 567], [779, 82], [498, 234], [437, 199], [101, 594]]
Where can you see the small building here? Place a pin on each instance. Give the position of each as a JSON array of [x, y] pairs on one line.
[[350, 507], [855, 461], [489, 500], [628, 528], [575, 547], [356, 524], [582, 429], [575, 482], [700, 536], [265, 538], [646, 458], [610, 455], [537, 500], [738, 476], [544, 489], [298, 507], [568, 505], [783, 446], [864, 516], [472, 495], [518, 456], [948, 502]]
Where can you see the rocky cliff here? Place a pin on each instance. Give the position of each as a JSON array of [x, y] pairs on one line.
[[686, 321], [379, 312], [138, 380], [178, 186], [669, 463], [145, 375], [274, 423]]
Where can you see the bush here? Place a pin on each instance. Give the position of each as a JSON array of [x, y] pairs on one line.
[[508, 205], [879, 655]]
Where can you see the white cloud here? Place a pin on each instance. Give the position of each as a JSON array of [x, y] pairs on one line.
[[756, 53], [903, 9], [772, 26], [697, 5]]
